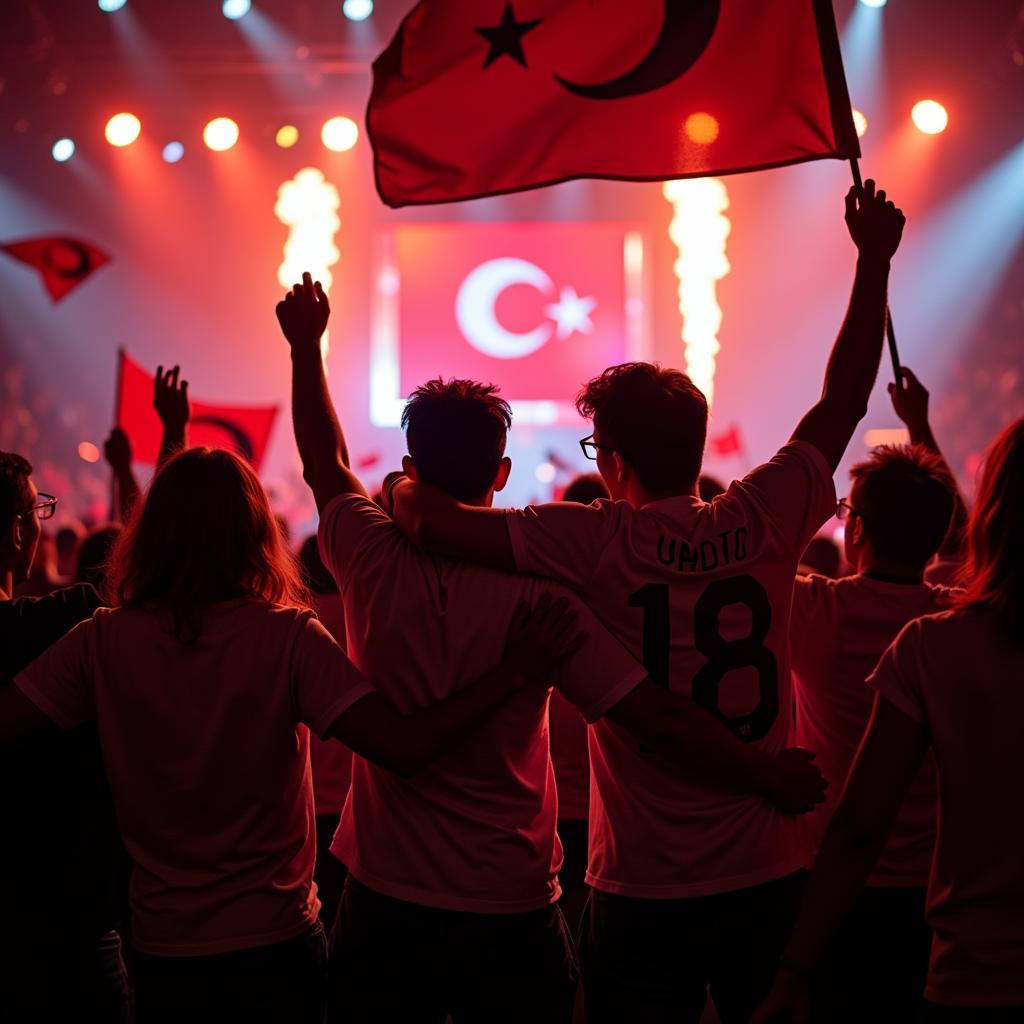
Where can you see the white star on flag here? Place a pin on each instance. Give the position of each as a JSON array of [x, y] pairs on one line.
[[571, 313]]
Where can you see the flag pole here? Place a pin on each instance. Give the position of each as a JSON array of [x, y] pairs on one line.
[[890, 331], [118, 374]]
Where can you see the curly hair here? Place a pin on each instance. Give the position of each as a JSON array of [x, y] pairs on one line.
[[15, 494]]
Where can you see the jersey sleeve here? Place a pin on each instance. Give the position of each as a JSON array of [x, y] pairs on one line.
[[602, 672], [794, 492], [900, 672], [563, 540], [324, 683], [60, 681], [353, 529]]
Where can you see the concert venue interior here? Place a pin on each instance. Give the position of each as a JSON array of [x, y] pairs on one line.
[[201, 241]]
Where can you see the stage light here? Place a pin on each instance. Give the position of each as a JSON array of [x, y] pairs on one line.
[[701, 128], [220, 134], [122, 129], [63, 149], [357, 10], [339, 134], [929, 117], [110, 5], [545, 473], [173, 152], [235, 9], [308, 206], [860, 122], [699, 230], [874, 3], [287, 135], [88, 452]]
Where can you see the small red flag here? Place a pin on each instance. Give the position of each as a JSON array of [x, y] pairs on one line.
[[243, 429], [480, 97], [729, 443], [64, 263]]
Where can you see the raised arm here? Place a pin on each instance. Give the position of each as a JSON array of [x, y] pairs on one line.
[[538, 641], [910, 402], [303, 315], [876, 226], [170, 399], [117, 450], [682, 732]]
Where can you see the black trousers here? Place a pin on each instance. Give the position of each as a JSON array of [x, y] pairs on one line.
[[283, 982], [653, 961], [403, 963], [875, 969]]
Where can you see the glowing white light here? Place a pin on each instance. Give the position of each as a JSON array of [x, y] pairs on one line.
[[110, 5], [545, 472], [220, 134], [929, 117], [874, 3], [235, 9], [173, 152], [339, 134], [699, 230], [308, 205], [63, 149], [122, 129], [357, 10], [860, 122]]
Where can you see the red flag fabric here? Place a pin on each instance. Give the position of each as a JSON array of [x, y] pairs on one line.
[[729, 443], [64, 263], [243, 429], [481, 97]]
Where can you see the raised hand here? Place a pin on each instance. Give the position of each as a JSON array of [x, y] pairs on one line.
[[170, 399], [541, 638], [875, 222], [910, 402], [796, 784], [117, 450], [303, 312]]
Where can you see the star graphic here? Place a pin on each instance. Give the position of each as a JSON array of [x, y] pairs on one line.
[[571, 313], [506, 38]]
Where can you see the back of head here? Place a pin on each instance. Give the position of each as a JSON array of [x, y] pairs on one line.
[[585, 489], [709, 487], [994, 573], [456, 432], [822, 555], [93, 562], [905, 497], [655, 418], [15, 493], [203, 534]]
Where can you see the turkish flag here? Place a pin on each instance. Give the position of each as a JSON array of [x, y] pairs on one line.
[[241, 428], [64, 263], [534, 308], [479, 97], [729, 443]]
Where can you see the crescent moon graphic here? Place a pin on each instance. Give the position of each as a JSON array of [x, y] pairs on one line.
[[243, 443], [686, 30], [70, 246], [474, 308]]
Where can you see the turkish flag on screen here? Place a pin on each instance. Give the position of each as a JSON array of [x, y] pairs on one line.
[[479, 97], [244, 429]]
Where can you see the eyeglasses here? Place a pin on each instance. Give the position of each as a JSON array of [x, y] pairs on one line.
[[45, 506], [844, 510], [591, 448]]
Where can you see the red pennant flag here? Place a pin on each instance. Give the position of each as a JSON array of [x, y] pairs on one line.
[[64, 263], [481, 97], [243, 429], [729, 443]]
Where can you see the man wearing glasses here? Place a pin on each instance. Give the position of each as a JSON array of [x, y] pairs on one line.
[[63, 959], [694, 888]]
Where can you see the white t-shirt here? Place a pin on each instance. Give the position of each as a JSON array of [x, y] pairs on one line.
[[840, 629], [475, 831], [960, 677], [207, 750], [701, 592]]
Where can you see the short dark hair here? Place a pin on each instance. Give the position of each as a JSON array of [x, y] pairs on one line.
[[585, 489], [905, 496], [455, 431], [15, 495], [656, 418]]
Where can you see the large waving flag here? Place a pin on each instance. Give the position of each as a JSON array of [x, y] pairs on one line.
[[244, 429], [480, 97], [62, 262]]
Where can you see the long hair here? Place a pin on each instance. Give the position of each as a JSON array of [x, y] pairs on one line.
[[994, 573], [204, 533]]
